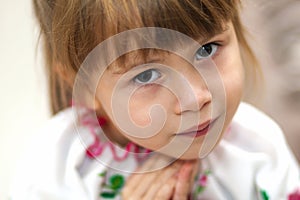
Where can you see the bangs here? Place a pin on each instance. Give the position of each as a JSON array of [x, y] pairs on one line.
[[198, 19], [78, 27], [195, 18]]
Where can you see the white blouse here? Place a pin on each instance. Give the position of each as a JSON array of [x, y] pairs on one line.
[[252, 162]]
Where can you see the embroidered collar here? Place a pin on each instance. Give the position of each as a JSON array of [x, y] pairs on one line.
[[98, 146]]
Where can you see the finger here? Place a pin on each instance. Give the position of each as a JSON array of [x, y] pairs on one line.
[[138, 184], [161, 179], [135, 178], [184, 181], [153, 163], [166, 191], [196, 168], [148, 164], [154, 180], [195, 172]]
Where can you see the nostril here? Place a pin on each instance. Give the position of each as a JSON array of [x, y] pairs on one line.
[[193, 101]]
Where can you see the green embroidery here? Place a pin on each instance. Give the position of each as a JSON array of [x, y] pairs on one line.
[[113, 187], [116, 182], [200, 189], [207, 172], [103, 174], [264, 195], [201, 182], [108, 195]]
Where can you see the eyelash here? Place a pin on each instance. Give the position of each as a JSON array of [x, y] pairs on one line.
[[215, 47], [154, 72], [158, 74]]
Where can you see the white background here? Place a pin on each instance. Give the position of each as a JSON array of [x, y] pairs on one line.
[[23, 104]]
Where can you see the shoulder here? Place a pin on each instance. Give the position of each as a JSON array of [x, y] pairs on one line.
[[49, 159], [252, 123], [255, 147], [251, 117], [57, 131], [252, 131], [56, 165]]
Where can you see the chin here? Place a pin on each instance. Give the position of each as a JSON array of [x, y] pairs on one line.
[[190, 156], [187, 155]]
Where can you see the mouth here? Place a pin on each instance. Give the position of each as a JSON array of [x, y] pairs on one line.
[[199, 130]]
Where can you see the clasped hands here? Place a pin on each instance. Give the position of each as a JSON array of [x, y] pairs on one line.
[[157, 179]]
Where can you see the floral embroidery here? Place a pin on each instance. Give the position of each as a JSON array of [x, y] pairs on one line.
[[97, 147], [112, 185], [264, 195], [295, 195], [201, 182]]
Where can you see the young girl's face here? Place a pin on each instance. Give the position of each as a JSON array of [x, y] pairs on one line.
[[179, 117]]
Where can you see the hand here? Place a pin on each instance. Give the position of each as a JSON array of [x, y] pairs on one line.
[[171, 182], [185, 180]]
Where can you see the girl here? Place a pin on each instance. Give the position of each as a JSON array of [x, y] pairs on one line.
[[156, 89]]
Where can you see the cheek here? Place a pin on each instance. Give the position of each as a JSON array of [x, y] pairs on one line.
[[150, 105], [140, 112], [142, 108], [232, 73], [234, 85]]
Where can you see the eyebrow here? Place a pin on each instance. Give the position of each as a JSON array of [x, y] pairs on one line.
[[137, 60], [205, 40]]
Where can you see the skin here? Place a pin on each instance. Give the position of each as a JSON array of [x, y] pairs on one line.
[[229, 64], [172, 182]]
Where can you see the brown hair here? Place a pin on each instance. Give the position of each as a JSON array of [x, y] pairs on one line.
[[70, 29]]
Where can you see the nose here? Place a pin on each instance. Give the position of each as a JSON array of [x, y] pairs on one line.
[[193, 96]]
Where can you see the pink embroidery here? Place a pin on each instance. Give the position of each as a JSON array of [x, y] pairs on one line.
[[295, 195], [97, 147], [228, 130], [203, 180]]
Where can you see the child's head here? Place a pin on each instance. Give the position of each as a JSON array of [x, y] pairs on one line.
[[71, 29]]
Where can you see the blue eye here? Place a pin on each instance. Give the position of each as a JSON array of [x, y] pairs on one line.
[[147, 76], [206, 51]]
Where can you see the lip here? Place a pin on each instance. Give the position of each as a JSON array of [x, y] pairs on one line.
[[197, 131]]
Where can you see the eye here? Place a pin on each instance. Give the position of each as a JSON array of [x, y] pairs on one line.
[[206, 51], [147, 76]]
